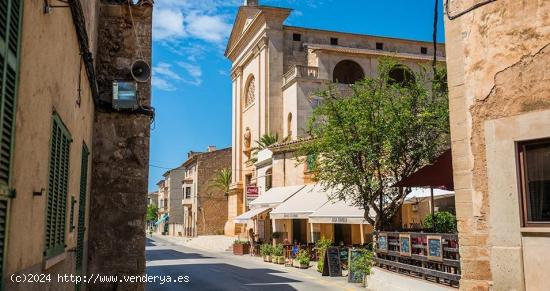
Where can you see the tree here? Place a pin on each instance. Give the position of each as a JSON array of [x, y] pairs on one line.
[[152, 212], [221, 181], [264, 142], [383, 132]]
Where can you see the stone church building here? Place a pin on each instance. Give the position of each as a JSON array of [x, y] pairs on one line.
[[276, 69]]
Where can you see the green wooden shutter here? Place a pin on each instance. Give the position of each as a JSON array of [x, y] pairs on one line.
[[4, 210], [10, 31], [82, 209], [57, 188]]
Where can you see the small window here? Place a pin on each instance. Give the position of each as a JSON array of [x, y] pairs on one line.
[[424, 50], [379, 46], [296, 37], [187, 192], [334, 41], [534, 173]]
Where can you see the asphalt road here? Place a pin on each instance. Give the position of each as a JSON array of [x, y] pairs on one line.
[[223, 271]]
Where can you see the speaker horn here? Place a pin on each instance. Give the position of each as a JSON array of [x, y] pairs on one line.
[[141, 71]]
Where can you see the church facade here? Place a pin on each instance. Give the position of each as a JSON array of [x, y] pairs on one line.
[[276, 70]]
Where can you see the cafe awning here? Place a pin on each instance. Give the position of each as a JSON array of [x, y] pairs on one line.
[[302, 204], [338, 212], [275, 196], [245, 217], [162, 219]]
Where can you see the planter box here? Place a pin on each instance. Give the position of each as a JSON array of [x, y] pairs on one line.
[[304, 266], [241, 249]]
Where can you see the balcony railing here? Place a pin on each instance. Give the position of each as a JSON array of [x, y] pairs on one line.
[[300, 71], [430, 256]]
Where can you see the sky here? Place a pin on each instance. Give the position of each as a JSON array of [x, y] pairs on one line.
[[191, 77]]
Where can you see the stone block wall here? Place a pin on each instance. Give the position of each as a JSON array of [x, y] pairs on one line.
[[212, 205], [496, 58], [121, 151]]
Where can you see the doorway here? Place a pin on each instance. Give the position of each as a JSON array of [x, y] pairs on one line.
[[342, 233], [299, 231]]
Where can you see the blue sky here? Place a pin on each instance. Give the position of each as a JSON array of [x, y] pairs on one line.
[[191, 83]]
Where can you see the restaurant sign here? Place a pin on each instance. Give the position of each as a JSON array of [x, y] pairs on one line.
[[251, 192]]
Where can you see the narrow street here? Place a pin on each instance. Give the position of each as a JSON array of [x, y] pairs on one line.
[[218, 271]]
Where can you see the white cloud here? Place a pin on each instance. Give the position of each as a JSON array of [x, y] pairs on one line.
[[165, 70], [162, 84], [167, 24], [209, 28], [194, 71]]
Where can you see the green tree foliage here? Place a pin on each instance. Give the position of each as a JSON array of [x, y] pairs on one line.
[[221, 181], [152, 212], [381, 133], [440, 222], [264, 142]]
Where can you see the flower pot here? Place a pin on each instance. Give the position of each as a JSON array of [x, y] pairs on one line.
[[274, 259], [280, 260], [304, 266], [241, 249], [267, 258]]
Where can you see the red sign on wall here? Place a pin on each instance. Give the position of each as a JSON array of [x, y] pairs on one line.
[[251, 192]]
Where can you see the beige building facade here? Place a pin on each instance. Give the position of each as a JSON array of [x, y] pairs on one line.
[[275, 73], [498, 58]]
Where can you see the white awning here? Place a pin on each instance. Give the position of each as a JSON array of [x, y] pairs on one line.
[[338, 212], [275, 196], [418, 194], [302, 204], [245, 217]]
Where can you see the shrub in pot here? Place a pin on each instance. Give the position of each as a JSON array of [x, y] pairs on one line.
[[321, 247], [303, 259], [277, 252], [440, 222], [363, 264], [265, 252]]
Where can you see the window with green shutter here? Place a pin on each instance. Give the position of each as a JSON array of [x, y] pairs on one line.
[[10, 22], [10, 31], [82, 209], [57, 188]]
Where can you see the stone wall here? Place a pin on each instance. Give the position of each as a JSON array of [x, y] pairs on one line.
[[212, 205], [121, 152], [498, 55]]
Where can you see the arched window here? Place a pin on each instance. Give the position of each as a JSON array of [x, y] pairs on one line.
[[289, 124], [250, 92], [347, 72], [401, 74]]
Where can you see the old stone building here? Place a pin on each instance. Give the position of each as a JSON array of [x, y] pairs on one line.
[[73, 171], [205, 208], [276, 71], [171, 194], [498, 55]]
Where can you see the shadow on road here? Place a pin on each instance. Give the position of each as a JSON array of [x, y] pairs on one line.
[[220, 276], [149, 242], [168, 254]]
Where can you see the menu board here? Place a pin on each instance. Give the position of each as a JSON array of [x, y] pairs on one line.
[[332, 265], [354, 275], [405, 244], [435, 252], [382, 242]]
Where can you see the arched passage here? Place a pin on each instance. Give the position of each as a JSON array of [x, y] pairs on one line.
[[347, 72]]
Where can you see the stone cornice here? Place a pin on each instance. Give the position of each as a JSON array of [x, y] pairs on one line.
[[360, 51]]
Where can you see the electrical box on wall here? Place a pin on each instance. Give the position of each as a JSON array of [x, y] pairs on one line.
[[125, 95]]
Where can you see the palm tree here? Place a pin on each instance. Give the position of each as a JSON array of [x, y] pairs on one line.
[[264, 142], [221, 181]]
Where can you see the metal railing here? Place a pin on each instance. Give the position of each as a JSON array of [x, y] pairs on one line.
[[430, 256], [300, 71]]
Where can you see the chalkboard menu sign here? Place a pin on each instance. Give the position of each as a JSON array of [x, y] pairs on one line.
[[354, 275], [435, 248], [405, 244], [383, 242], [331, 264]]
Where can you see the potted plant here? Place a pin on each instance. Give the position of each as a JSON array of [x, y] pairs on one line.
[[321, 247], [275, 236], [265, 251], [363, 264], [241, 247], [278, 254], [303, 259]]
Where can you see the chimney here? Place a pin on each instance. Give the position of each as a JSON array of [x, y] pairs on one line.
[[211, 148], [250, 3]]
